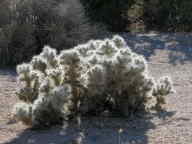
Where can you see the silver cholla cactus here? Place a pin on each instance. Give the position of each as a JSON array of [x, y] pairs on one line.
[[98, 75]]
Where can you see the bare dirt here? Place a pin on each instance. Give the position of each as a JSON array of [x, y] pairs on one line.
[[173, 126]]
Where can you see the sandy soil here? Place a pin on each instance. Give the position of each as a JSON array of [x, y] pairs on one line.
[[173, 126]]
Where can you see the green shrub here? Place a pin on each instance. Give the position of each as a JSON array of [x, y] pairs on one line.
[[141, 15], [4, 12], [168, 16], [112, 13], [35, 23], [177, 14], [92, 77]]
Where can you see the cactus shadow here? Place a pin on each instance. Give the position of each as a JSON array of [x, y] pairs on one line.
[[179, 45], [95, 130], [163, 114], [8, 71]]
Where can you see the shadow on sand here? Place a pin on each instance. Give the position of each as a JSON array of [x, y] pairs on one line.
[[8, 71], [179, 45], [94, 131]]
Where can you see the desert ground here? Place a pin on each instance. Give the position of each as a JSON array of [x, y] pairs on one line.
[[167, 54]]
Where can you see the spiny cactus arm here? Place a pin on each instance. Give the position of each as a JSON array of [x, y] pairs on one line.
[[36, 77], [50, 55], [69, 57], [23, 112], [61, 98], [163, 88], [45, 86], [30, 90], [56, 75], [107, 48], [119, 42], [24, 73], [27, 94], [39, 63]]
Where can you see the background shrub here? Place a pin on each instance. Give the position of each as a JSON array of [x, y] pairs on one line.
[[32, 24], [112, 13], [141, 15], [167, 16], [27, 25], [88, 79]]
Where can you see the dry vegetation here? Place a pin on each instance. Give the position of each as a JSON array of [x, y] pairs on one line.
[[168, 127]]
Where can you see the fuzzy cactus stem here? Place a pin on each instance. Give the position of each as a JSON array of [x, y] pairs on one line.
[[88, 79]]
